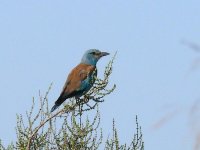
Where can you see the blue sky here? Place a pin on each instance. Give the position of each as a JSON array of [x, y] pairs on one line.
[[41, 41]]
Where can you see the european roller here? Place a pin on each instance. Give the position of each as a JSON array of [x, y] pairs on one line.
[[81, 78]]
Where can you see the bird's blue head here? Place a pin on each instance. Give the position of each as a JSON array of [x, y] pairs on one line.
[[92, 56]]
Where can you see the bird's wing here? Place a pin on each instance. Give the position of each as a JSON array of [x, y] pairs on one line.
[[73, 83]]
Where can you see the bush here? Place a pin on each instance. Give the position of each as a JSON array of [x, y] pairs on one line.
[[70, 128]]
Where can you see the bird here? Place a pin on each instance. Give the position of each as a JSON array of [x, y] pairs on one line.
[[81, 78]]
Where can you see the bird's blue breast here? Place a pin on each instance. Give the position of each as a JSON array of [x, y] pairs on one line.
[[87, 83]]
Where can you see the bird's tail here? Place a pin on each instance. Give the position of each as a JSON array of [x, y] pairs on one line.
[[59, 101], [54, 107]]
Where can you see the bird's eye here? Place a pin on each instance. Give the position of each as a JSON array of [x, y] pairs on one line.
[[93, 53], [96, 54]]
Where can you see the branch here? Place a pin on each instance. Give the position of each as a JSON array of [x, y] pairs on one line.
[[64, 110]]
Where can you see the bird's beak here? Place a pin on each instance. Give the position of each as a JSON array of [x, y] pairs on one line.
[[104, 54]]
